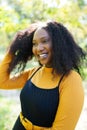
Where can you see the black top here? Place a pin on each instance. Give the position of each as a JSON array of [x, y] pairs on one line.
[[39, 105]]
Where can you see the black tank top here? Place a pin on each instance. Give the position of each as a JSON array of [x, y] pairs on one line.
[[39, 105]]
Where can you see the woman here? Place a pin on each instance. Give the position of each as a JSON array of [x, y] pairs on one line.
[[52, 94]]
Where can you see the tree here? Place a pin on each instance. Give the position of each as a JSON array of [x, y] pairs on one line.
[[18, 14]]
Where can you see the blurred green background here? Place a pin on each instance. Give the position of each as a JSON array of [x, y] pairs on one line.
[[16, 15]]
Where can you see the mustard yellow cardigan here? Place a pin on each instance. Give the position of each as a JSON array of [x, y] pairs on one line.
[[71, 92]]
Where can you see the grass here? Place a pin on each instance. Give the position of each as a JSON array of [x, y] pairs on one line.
[[9, 110]]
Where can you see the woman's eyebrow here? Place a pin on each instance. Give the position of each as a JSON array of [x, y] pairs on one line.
[[41, 38]]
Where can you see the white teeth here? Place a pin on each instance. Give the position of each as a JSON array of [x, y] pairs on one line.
[[43, 55]]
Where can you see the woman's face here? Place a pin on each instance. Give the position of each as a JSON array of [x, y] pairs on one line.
[[42, 47]]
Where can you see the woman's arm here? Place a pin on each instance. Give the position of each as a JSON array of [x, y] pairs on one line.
[[70, 104], [6, 82]]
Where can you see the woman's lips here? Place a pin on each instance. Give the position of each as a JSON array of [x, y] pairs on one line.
[[44, 55]]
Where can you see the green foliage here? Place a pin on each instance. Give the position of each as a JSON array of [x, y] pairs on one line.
[[17, 15]]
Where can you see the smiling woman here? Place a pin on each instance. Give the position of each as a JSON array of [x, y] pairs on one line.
[[52, 95]]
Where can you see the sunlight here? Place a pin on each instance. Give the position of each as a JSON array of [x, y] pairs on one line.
[[53, 3]]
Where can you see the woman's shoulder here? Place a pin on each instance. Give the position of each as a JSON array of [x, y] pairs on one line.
[[73, 75], [71, 80]]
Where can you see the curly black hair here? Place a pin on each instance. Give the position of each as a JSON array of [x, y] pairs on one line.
[[67, 55]]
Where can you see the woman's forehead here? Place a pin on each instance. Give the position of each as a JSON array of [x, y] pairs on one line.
[[40, 33]]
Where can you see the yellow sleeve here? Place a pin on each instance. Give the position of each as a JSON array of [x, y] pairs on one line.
[[16, 82], [70, 103]]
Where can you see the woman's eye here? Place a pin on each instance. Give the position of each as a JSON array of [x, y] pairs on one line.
[[44, 41], [34, 44]]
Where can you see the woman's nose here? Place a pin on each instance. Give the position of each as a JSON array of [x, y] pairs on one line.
[[40, 47]]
